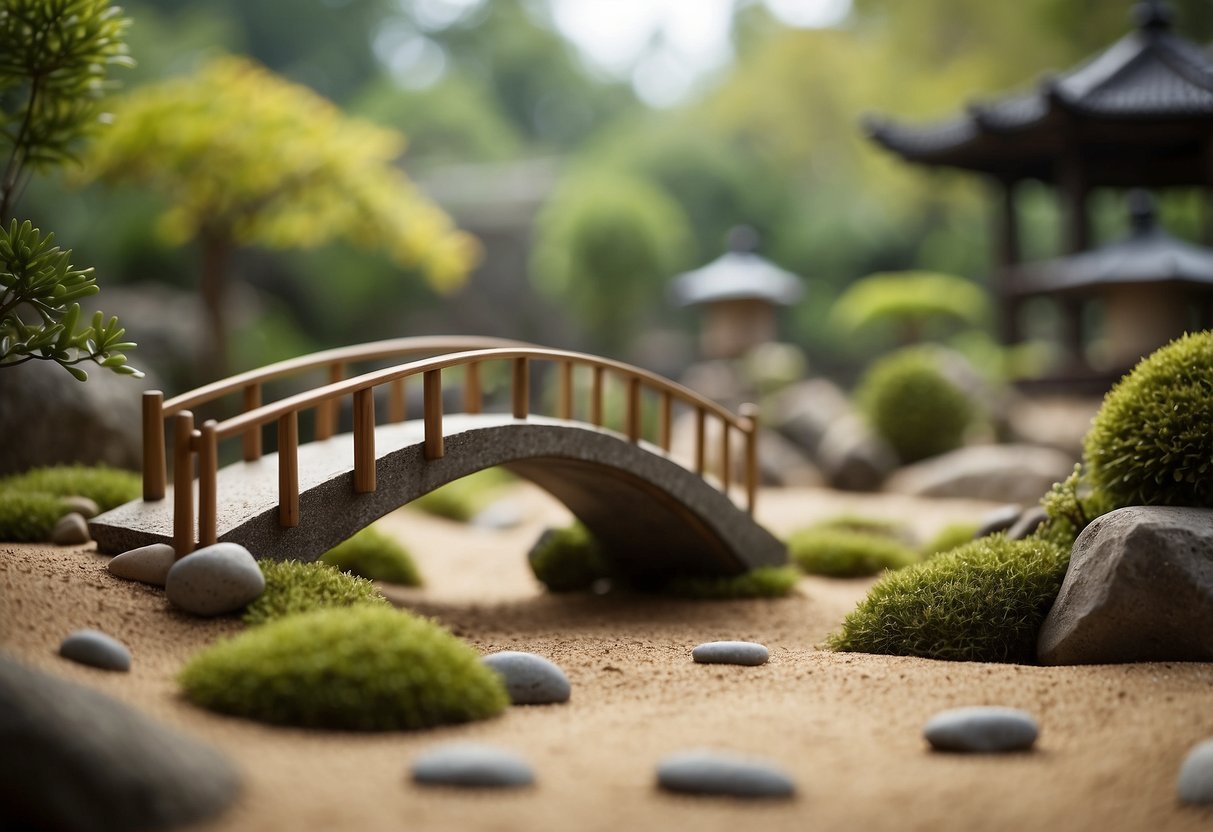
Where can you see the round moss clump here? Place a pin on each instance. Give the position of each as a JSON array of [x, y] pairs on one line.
[[28, 517], [839, 553], [984, 601], [107, 487], [913, 406], [568, 560], [376, 556], [1152, 441], [292, 587], [364, 669], [763, 582]]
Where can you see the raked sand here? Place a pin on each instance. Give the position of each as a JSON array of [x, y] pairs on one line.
[[846, 727]]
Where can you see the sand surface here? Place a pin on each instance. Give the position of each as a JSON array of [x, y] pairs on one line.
[[847, 727]]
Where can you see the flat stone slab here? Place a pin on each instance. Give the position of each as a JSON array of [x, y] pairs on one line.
[[472, 765], [986, 728], [747, 653], [717, 773], [96, 649]]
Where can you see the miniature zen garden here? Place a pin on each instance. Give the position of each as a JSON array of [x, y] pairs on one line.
[[951, 569]]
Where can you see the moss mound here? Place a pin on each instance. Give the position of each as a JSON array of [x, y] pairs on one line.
[[909, 402], [839, 553], [863, 525], [763, 582], [948, 538], [376, 556], [365, 669], [28, 517], [1152, 441], [568, 560], [984, 601], [292, 587], [462, 499], [107, 487]]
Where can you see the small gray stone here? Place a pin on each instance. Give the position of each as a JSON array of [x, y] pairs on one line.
[[96, 649], [731, 652], [147, 564], [998, 520], [716, 773], [471, 765], [1027, 523], [1196, 775], [214, 580], [982, 728], [83, 506], [71, 530], [530, 679]]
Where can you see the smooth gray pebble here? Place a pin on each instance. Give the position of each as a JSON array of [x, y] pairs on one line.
[[471, 765], [530, 679], [747, 653], [718, 773], [70, 530], [147, 564], [214, 580], [96, 649], [984, 728], [1196, 775]]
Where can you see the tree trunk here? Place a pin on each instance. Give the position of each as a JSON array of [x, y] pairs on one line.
[[216, 258]]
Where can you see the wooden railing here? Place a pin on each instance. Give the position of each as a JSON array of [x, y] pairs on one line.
[[201, 443]]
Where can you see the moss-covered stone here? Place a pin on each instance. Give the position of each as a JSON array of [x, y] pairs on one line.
[[292, 587], [984, 601], [1152, 441], [374, 555], [364, 668], [839, 553], [107, 487], [913, 406], [28, 517]]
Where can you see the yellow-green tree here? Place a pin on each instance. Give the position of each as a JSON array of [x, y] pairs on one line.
[[245, 158]]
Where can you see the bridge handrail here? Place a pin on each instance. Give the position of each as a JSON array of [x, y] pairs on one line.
[[156, 409], [188, 441]]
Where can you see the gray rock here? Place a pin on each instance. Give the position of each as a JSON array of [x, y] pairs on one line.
[[530, 679], [1196, 775], [716, 773], [471, 765], [214, 580], [731, 652], [96, 649], [1002, 473], [1139, 589], [499, 515], [998, 520], [784, 463], [982, 728], [83, 506], [853, 458], [147, 564], [71, 530], [75, 759], [803, 412], [1028, 522]]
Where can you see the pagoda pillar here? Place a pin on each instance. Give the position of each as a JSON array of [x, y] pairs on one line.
[[1007, 255], [1208, 166], [1074, 191]]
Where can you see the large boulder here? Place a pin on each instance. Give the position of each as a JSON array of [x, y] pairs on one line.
[[1139, 589], [999, 473], [75, 759]]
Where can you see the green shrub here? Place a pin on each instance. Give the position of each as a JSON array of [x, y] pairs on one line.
[[568, 560], [1152, 441], [364, 668], [845, 554], [909, 402], [28, 516], [376, 556], [948, 538], [107, 487], [462, 499], [984, 601], [763, 582], [292, 587]]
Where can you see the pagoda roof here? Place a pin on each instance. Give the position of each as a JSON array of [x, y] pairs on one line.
[[1139, 113]]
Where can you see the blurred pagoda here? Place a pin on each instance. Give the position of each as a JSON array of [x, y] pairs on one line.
[[1137, 115]]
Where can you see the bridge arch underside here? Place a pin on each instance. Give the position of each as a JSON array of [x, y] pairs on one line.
[[653, 517]]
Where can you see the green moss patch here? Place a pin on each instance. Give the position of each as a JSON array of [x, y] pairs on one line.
[[910, 403], [763, 582], [569, 560], [365, 668], [462, 499], [292, 587], [984, 601], [374, 555], [28, 517], [839, 553], [107, 487]]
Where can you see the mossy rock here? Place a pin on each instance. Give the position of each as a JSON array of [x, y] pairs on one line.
[[839, 553], [909, 402], [364, 668], [292, 587], [984, 601], [374, 555], [1152, 441], [28, 516], [107, 487], [763, 582], [568, 560]]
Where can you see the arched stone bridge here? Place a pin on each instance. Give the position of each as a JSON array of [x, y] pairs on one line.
[[653, 516]]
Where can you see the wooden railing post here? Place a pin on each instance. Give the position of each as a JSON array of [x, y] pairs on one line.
[[473, 397], [596, 396], [665, 427], [726, 472], [326, 412], [522, 388], [749, 412], [633, 421], [397, 407], [154, 475], [252, 437], [564, 407], [700, 440], [288, 469], [183, 484], [364, 440], [432, 390], [208, 473]]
